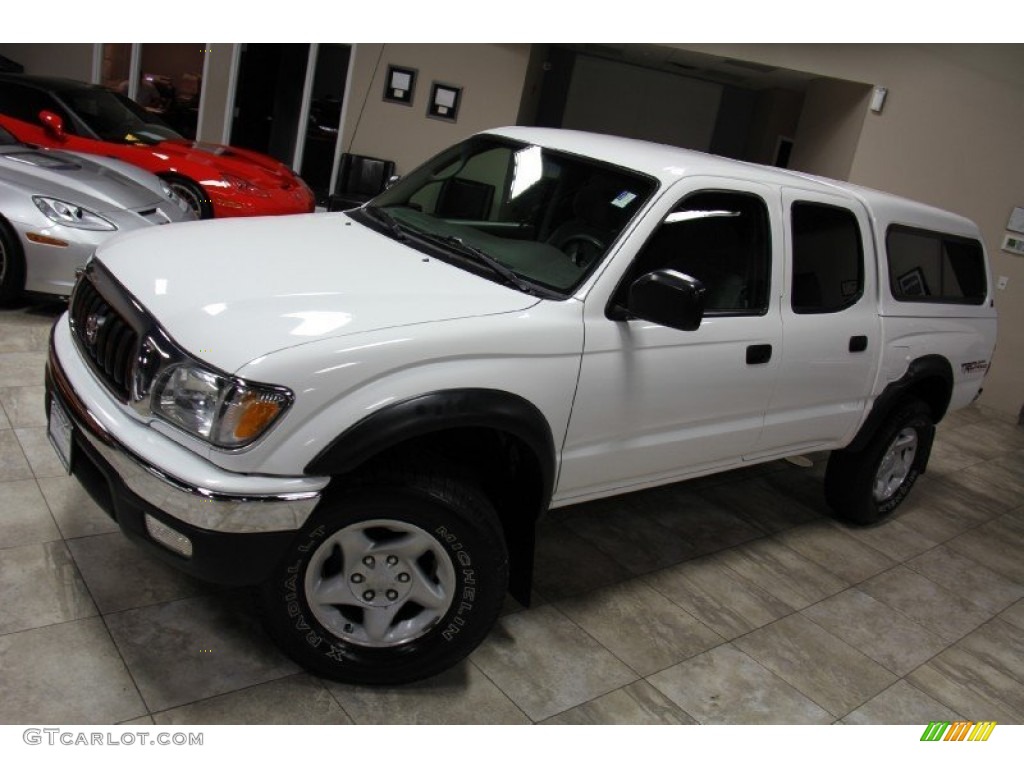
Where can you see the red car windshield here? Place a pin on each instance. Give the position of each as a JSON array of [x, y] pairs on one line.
[[116, 118]]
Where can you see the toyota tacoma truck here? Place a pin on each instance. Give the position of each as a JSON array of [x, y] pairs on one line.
[[364, 413]]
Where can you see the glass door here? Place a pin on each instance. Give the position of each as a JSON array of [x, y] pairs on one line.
[[268, 98], [315, 156]]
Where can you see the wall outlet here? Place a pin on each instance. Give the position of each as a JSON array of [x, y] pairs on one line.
[[1002, 282]]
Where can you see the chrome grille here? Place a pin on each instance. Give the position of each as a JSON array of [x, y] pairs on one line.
[[104, 336]]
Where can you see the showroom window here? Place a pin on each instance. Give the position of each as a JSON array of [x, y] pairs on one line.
[[928, 266], [168, 82], [722, 238], [828, 258]]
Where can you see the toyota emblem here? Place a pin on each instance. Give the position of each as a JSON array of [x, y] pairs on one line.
[[92, 328]]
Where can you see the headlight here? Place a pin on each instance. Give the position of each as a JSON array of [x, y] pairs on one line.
[[71, 215], [170, 194], [244, 186], [223, 410]]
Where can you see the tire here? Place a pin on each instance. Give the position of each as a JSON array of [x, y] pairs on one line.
[[867, 485], [193, 194], [12, 265], [391, 581]]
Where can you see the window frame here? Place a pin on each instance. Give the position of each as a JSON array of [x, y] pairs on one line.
[[942, 237], [861, 265], [620, 298]]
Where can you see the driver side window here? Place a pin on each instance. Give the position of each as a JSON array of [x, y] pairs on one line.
[[721, 238]]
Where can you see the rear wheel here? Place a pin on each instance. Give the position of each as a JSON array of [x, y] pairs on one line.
[[12, 265], [391, 581], [864, 486], [192, 194]]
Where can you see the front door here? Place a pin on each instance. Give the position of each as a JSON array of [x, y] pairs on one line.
[[653, 403]]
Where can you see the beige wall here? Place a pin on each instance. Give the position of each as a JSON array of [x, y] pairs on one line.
[[492, 78], [625, 100], [777, 114], [829, 129], [72, 60], [950, 135]]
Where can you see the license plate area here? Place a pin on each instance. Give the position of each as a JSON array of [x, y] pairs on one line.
[[60, 430]]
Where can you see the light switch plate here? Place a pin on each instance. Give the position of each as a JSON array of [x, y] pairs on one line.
[[1002, 282]]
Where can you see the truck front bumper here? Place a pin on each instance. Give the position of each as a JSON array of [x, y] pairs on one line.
[[221, 530]]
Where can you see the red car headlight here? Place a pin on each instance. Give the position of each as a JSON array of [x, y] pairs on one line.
[[244, 186]]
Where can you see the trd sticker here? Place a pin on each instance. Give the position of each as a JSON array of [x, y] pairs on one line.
[[976, 365]]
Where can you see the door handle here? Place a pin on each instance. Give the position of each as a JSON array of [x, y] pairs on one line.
[[759, 354], [858, 343]]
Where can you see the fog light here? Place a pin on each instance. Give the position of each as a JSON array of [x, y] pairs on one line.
[[168, 537]]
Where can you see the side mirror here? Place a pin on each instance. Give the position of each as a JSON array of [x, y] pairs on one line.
[[668, 298], [52, 124]]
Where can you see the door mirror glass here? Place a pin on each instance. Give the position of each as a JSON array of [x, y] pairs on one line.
[[668, 298]]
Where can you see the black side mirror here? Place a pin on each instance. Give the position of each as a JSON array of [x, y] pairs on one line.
[[668, 298]]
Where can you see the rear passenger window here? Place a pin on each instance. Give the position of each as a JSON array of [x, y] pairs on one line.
[[828, 258], [929, 266]]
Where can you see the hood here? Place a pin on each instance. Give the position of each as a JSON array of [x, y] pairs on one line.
[[232, 290], [251, 166], [71, 178]]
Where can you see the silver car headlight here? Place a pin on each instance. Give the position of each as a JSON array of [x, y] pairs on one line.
[[173, 197], [223, 410], [71, 215]]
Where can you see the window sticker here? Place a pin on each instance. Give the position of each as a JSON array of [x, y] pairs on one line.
[[623, 199]]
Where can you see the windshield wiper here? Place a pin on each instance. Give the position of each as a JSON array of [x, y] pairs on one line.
[[388, 221], [482, 257]]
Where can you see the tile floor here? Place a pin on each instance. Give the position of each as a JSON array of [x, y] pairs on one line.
[[732, 599]]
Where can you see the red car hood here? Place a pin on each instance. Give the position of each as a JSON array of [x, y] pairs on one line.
[[251, 166]]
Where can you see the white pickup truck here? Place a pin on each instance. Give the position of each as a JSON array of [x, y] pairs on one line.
[[365, 413]]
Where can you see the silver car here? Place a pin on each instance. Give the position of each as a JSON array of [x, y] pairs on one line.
[[56, 207]]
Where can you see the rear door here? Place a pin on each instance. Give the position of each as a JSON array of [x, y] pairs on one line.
[[830, 325]]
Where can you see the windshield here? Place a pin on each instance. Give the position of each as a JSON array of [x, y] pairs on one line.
[[547, 216], [116, 118]]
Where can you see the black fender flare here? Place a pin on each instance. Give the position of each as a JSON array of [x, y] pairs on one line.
[[919, 370], [436, 411]]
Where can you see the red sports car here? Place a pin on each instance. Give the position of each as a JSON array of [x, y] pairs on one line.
[[214, 179]]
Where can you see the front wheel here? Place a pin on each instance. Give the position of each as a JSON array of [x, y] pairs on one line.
[[193, 194], [390, 582], [864, 486]]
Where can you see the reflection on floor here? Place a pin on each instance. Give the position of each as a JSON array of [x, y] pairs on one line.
[[732, 599]]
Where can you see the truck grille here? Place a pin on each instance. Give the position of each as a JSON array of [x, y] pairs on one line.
[[105, 337]]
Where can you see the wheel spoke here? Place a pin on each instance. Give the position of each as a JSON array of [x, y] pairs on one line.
[[425, 592], [355, 544], [408, 547], [377, 621], [334, 590]]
